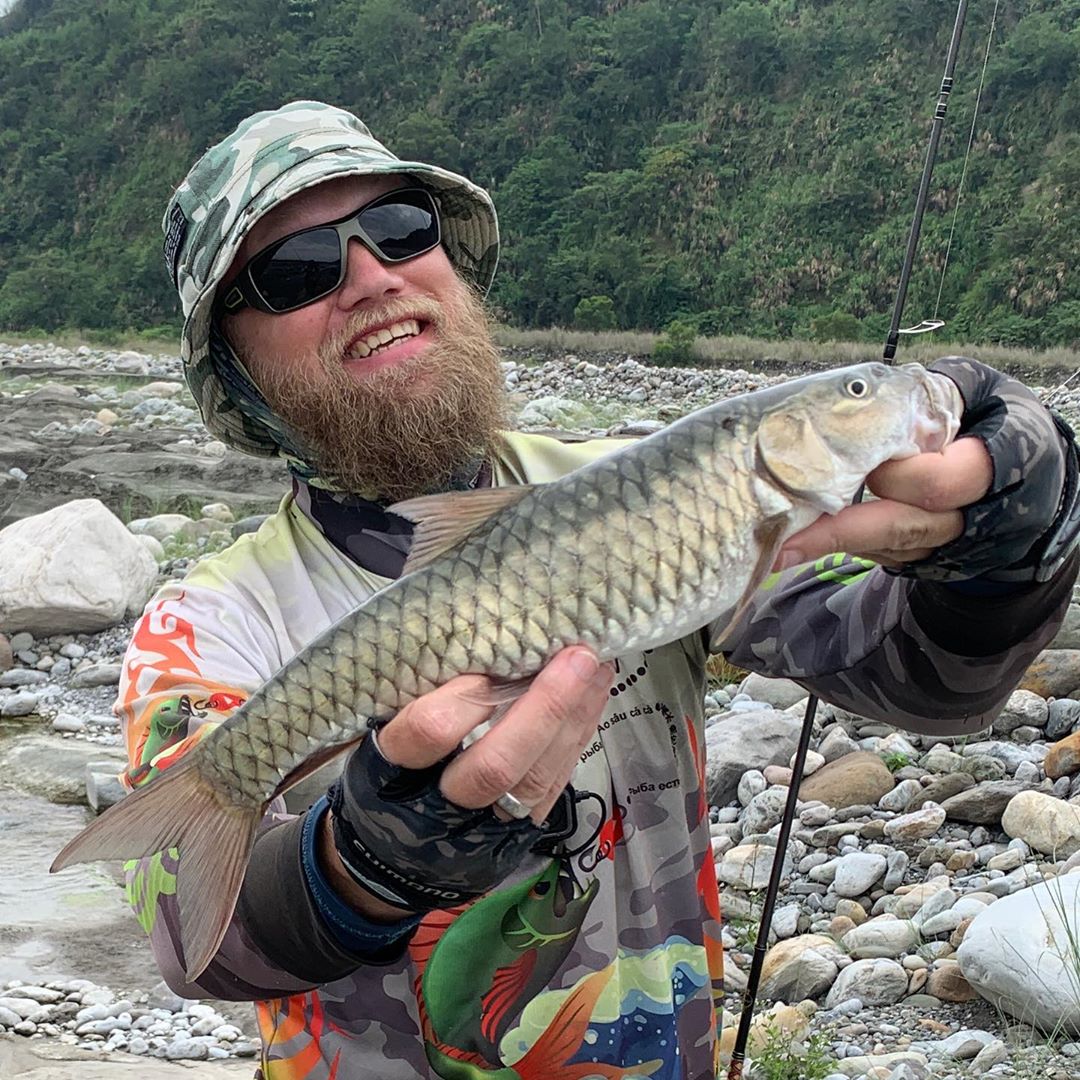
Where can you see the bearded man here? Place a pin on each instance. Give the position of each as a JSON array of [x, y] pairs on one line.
[[537, 899]]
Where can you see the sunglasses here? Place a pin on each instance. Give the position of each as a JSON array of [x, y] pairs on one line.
[[307, 265]]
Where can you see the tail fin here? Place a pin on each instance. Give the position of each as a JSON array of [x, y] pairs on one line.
[[547, 1058], [181, 809]]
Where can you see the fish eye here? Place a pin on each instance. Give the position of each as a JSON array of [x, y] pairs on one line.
[[857, 388]]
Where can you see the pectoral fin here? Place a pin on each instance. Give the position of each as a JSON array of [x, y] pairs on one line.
[[770, 536]]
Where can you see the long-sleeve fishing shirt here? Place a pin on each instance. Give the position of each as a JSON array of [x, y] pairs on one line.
[[607, 960]]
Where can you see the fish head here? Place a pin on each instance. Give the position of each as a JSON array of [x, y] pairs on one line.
[[821, 440], [554, 903]]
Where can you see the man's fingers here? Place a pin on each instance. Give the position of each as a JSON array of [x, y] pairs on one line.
[[432, 726], [906, 532], [536, 745], [959, 476]]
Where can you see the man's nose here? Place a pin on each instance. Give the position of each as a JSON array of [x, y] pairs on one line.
[[367, 277]]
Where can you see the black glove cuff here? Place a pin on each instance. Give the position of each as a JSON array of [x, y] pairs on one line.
[[404, 842], [1048, 556]]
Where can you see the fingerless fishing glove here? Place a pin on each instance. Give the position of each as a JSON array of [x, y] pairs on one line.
[[404, 842], [1026, 525]]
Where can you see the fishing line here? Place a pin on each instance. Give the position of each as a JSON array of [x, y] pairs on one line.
[[967, 157]]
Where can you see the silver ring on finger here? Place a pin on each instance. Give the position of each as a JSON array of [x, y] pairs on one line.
[[514, 807]]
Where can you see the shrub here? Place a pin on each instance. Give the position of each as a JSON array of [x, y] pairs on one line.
[[836, 326], [782, 1058], [676, 346], [595, 313]]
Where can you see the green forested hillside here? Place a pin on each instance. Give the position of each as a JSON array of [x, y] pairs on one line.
[[749, 164]]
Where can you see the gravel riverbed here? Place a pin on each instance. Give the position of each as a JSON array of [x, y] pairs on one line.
[[882, 956]]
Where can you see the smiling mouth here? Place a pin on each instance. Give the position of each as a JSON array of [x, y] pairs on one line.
[[382, 339]]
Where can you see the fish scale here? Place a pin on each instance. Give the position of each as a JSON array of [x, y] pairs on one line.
[[630, 552]]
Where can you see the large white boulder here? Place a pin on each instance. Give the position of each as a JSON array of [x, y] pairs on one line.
[[73, 569], [1023, 954]]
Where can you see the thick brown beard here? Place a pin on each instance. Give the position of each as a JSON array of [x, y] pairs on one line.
[[406, 430]]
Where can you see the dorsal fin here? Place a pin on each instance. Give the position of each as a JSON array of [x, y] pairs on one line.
[[442, 520]]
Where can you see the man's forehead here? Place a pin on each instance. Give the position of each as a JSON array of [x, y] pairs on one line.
[[322, 202]]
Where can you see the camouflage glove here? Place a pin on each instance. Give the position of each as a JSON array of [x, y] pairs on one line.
[[1027, 523], [400, 839]]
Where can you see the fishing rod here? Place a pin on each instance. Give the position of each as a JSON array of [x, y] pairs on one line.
[[742, 1037]]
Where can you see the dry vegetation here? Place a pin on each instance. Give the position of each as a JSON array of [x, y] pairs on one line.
[[726, 351]]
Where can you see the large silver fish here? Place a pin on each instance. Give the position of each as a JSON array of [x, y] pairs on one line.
[[627, 553]]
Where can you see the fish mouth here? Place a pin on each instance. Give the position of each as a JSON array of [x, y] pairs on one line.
[[937, 426], [568, 891]]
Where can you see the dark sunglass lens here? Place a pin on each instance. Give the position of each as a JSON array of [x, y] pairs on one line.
[[299, 270], [403, 228]]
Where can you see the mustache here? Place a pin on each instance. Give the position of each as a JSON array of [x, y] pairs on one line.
[[422, 308]]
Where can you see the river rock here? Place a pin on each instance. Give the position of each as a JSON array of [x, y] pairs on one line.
[[1009, 754], [853, 780], [901, 1065], [223, 512], [748, 866], [74, 568], [940, 759], [947, 982], [1044, 822], [857, 873], [157, 552], [96, 675], [940, 789], [1020, 954], [983, 768], [1055, 673], [164, 527], [984, 804], [916, 826], [873, 982], [990, 1055], [764, 810], [963, 1045], [54, 768], [906, 905], [7, 656], [837, 743], [741, 741], [752, 783], [881, 937], [1063, 758], [779, 693], [802, 967], [103, 787], [21, 703], [1062, 715], [1023, 708]]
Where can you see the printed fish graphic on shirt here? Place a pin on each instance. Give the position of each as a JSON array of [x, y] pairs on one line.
[[627, 553], [488, 963]]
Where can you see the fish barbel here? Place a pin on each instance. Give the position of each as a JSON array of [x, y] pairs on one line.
[[629, 552]]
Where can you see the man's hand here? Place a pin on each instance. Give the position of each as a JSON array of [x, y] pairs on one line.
[[997, 504], [530, 754], [917, 509], [412, 827]]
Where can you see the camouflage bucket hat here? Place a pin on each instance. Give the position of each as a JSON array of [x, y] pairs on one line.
[[268, 158]]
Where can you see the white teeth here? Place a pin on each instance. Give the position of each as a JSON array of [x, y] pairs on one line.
[[364, 347]]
